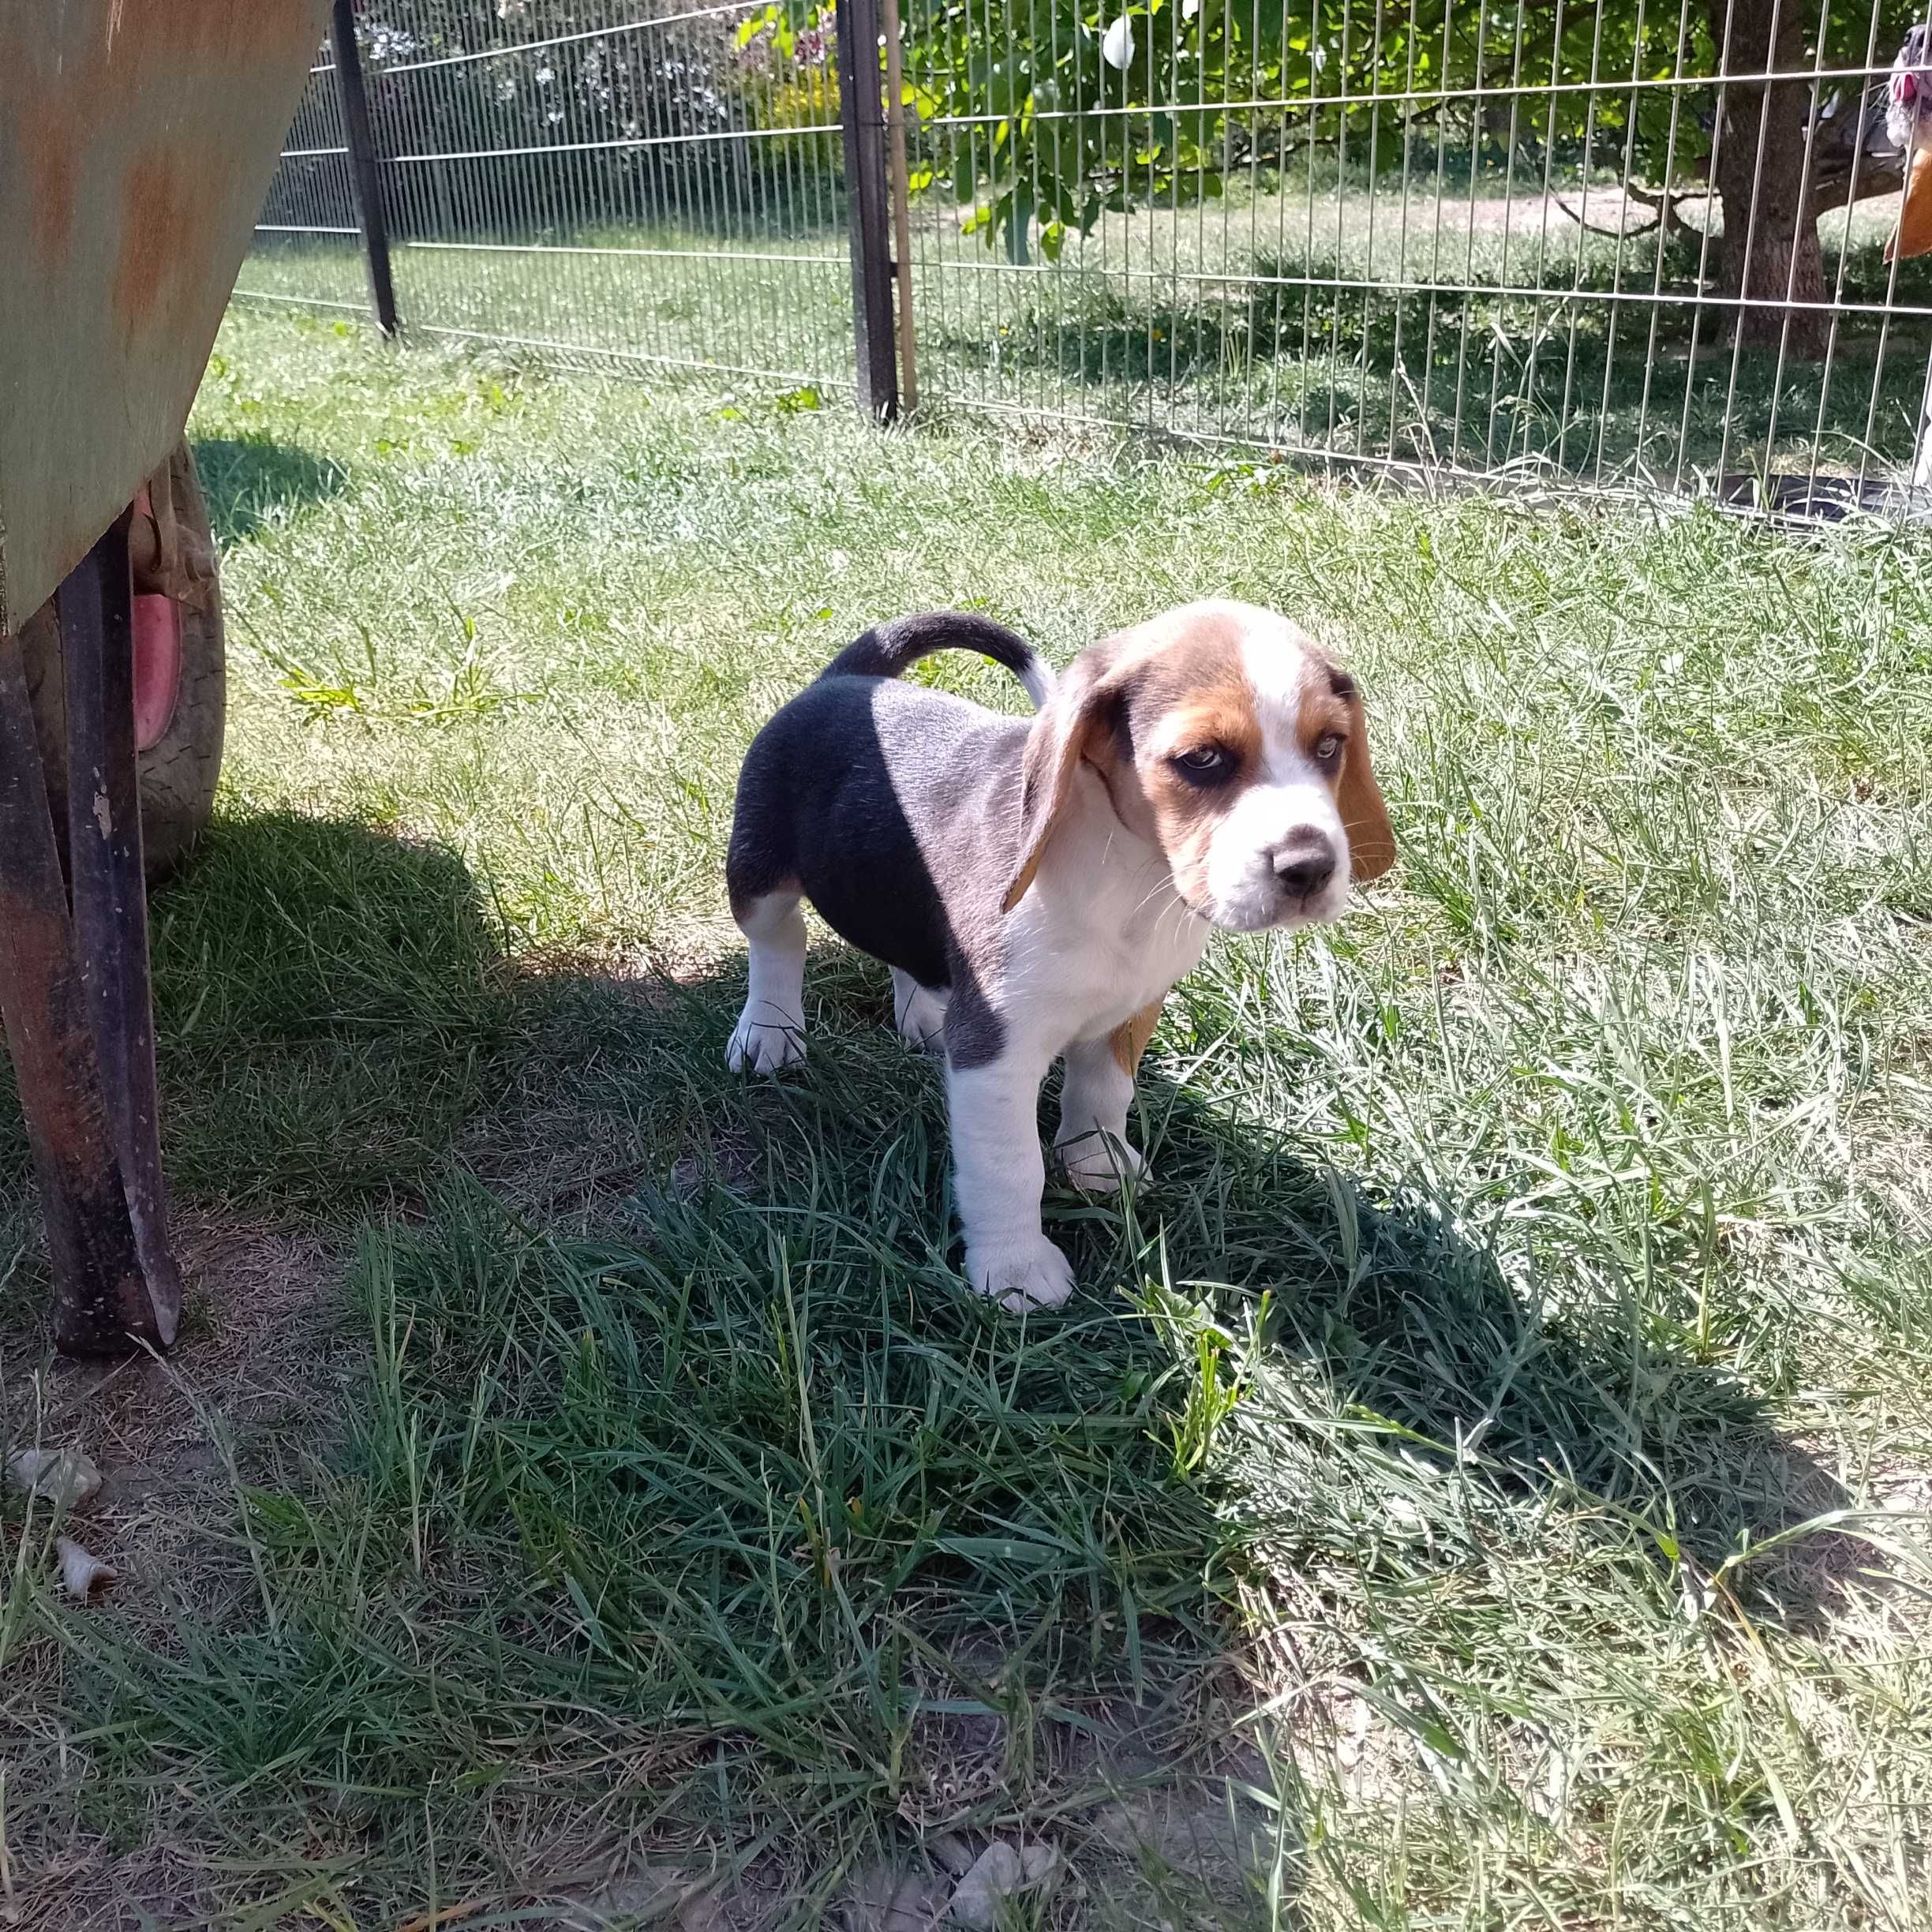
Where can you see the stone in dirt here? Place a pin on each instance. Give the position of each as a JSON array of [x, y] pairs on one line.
[[1000, 1871], [82, 1572], [65, 1477]]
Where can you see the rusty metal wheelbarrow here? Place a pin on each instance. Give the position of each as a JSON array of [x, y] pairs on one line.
[[136, 141]]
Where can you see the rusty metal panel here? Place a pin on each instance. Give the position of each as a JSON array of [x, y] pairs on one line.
[[137, 138]]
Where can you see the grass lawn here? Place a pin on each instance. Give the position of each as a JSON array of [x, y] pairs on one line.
[[1480, 1483]]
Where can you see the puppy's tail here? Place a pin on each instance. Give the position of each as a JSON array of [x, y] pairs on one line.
[[887, 650]]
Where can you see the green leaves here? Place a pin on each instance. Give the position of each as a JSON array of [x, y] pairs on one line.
[[1090, 102]]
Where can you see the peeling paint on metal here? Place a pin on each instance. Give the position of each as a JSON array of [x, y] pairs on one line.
[[135, 144]]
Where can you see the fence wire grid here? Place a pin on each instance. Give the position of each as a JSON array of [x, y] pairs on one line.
[[1632, 245]]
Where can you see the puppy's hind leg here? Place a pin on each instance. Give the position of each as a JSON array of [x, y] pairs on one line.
[[770, 1033], [918, 1012]]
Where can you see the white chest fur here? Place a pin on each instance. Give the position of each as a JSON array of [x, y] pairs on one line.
[[1102, 935]]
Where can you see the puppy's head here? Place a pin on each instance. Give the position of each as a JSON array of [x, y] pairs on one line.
[[1227, 738]]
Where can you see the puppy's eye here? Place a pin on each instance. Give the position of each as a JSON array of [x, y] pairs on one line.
[[1328, 748], [1205, 764]]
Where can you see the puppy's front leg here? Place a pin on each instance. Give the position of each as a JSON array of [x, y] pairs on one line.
[[1092, 1139], [999, 1175]]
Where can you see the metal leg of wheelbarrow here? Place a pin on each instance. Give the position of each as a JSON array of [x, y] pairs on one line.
[[73, 986]]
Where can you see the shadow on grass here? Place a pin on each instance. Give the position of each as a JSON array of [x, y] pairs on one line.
[[1372, 1288], [688, 1486], [326, 1001], [251, 480], [1411, 1328], [1589, 376]]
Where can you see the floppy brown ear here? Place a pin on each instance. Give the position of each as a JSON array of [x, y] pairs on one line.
[[1913, 235], [1365, 818], [1067, 728]]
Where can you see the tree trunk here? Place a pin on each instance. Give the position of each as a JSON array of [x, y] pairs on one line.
[[1770, 252]]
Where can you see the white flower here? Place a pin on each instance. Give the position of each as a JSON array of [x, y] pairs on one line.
[[1117, 44]]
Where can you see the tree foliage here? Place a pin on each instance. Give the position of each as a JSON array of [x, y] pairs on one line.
[[1063, 113], [1039, 116], [637, 112]]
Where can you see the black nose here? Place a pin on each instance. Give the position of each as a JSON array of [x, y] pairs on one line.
[[1305, 864]]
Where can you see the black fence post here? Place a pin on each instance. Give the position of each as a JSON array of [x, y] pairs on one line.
[[868, 205], [362, 171]]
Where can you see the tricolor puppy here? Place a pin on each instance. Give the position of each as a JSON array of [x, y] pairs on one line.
[[1037, 886]]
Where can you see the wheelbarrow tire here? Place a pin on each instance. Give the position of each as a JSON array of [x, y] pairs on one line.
[[179, 773]]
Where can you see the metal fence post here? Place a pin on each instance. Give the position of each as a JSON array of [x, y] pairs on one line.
[[361, 141], [902, 204], [869, 206]]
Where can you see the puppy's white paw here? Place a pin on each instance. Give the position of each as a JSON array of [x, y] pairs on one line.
[[1097, 1163], [919, 1015], [765, 1046], [1028, 1272]]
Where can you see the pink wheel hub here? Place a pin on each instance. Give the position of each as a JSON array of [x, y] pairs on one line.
[[157, 658]]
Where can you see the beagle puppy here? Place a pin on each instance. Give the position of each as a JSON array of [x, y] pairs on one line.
[[1037, 886]]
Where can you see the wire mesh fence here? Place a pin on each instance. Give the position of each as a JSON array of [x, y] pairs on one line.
[[307, 251], [652, 187], [1634, 243]]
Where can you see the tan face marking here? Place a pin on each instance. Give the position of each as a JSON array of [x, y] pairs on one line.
[[1323, 718], [1183, 690], [1187, 814]]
